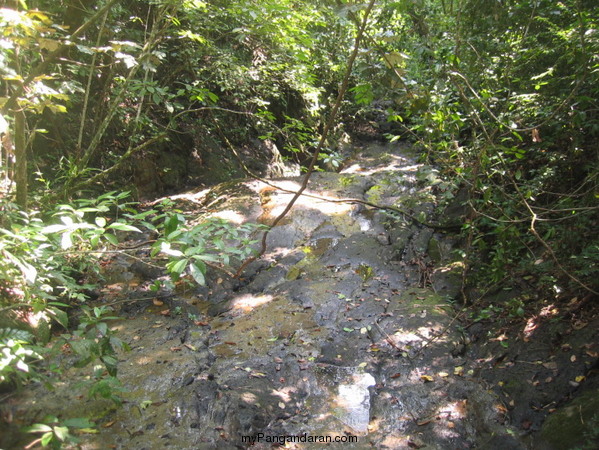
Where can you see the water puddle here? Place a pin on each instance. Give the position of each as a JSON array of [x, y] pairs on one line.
[[353, 401], [345, 392]]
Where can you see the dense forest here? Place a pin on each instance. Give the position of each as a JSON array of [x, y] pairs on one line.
[[108, 105]]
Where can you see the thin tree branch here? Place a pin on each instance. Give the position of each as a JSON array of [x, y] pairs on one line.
[[323, 136]]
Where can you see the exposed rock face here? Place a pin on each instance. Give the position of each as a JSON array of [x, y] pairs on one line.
[[343, 330], [206, 163]]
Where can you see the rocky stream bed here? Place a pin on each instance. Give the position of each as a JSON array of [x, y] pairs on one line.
[[347, 328]]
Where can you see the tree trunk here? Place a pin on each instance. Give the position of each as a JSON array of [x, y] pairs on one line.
[[21, 159]]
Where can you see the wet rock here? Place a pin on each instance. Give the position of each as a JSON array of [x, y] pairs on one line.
[[334, 332]]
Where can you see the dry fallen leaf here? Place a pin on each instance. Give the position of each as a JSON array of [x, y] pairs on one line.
[[396, 375], [573, 358], [165, 312], [158, 302], [426, 378], [443, 374]]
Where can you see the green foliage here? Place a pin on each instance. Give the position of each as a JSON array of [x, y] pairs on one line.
[[190, 248], [16, 355], [55, 432], [93, 340], [504, 104], [42, 254]]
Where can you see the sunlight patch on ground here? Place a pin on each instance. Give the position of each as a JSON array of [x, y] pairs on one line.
[[247, 302], [195, 197], [352, 403], [393, 163], [326, 207], [284, 393], [230, 215], [410, 337], [275, 200], [248, 397]]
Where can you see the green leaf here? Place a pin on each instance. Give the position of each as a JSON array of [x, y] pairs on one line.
[[110, 361], [66, 241], [197, 274], [206, 257], [100, 221], [123, 227], [102, 328], [47, 438], [78, 422], [38, 428], [112, 239], [83, 347], [179, 266], [60, 316], [198, 249], [61, 433]]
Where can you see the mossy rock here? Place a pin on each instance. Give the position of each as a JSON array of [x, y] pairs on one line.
[[572, 426], [434, 250]]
